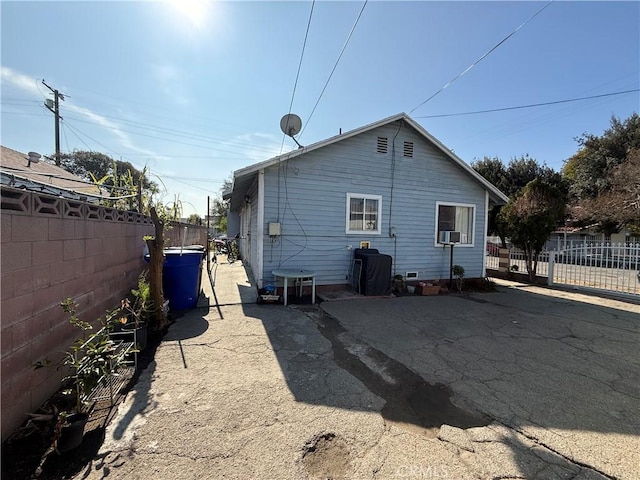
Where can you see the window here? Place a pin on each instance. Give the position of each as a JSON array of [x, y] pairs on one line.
[[457, 218], [364, 213]]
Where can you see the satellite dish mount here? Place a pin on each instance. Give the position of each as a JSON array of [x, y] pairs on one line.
[[291, 125]]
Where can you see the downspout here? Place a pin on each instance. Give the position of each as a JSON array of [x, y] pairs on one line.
[[260, 230], [486, 232]]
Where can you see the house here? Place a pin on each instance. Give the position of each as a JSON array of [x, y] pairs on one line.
[[20, 170], [389, 185], [591, 234]]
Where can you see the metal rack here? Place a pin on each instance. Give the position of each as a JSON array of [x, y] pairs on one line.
[[125, 356]]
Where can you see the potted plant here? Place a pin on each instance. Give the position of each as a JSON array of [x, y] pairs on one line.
[[428, 288], [398, 283], [136, 314], [90, 360], [458, 271]]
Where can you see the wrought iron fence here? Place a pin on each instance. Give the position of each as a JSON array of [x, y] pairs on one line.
[[601, 266]]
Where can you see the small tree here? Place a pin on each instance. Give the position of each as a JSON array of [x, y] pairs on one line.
[[156, 259], [531, 216]]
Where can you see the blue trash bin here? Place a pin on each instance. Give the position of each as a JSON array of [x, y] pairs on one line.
[[181, 278]]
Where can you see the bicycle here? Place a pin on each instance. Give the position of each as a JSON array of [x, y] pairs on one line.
[[231, 247]]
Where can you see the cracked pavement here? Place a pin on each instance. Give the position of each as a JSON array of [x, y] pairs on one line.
[[542, 385]]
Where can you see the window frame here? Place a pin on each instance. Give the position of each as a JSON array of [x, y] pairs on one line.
[[473, 208], [365, 197]]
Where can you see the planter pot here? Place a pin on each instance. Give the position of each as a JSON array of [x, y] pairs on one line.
[[72, 432], [411, 288], [141, 333], [428, 290]]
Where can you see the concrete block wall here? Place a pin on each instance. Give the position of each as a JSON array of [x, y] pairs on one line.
[[52, 248], [175, 234]]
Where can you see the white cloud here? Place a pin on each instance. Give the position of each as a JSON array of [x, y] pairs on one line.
[[30, 85], [19, 80], [123, 138]]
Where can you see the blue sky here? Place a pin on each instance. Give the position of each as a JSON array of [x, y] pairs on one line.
[[195, 90]]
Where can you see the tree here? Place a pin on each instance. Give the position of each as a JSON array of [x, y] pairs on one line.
[[219, 207], [591, 168], [512, 179], [117, 177], [604, 176], [493, 169], [619, 205], [531, 216], [83, 162], [194, 219]]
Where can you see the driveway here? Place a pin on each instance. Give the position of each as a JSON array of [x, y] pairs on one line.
[[558, 374], [515, 384]]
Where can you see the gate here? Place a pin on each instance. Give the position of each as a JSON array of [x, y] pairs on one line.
[[601, 266]]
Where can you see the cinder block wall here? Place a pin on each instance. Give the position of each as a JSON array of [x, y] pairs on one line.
[[177, 234], [51, 249]]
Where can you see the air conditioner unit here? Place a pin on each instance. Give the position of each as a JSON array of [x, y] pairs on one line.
[[448, 236]]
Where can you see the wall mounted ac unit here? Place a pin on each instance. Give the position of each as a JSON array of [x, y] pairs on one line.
[[448, 236]]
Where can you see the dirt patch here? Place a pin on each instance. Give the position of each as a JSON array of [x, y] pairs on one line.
[[326, 456], [27, 453], [411, 402]]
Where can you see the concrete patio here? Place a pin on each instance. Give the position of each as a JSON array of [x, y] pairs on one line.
[[522, 383]]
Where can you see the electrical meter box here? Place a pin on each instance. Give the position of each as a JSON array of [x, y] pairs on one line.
[[274, 229]]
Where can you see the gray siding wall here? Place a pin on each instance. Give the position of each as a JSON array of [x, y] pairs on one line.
[[307, 196]]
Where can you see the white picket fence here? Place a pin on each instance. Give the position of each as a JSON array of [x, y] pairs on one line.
[[599, 266]]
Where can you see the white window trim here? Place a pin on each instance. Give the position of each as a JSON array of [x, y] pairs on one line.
[[473, 223], [347, 217]]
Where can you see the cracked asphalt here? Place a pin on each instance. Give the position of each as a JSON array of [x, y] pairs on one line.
[[525, 383]]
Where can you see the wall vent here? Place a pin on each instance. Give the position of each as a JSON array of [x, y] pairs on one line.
[[408, 149], [382, 145], [411, 275]]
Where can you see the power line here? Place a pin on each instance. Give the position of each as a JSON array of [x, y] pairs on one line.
[[176, 133], [90, 138], [483, 56], [190, 185], [295, 84], [195, 179], [344, 47], [531, 105], [73, 129], [65, 124], [24, 114]]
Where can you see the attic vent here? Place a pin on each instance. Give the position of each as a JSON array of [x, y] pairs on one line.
[[382, 145], [408, 149]]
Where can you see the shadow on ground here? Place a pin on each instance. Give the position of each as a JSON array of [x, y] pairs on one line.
[[551, 374]]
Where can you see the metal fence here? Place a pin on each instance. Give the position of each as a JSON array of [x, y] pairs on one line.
[[517, 261], [601, 266]]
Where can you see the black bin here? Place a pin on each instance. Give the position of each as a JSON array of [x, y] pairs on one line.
[[375, 275]]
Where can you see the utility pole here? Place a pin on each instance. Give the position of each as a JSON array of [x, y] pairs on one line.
[[55, 109]]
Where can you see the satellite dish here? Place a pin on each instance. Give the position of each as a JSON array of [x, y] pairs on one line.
[[291, 124]]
